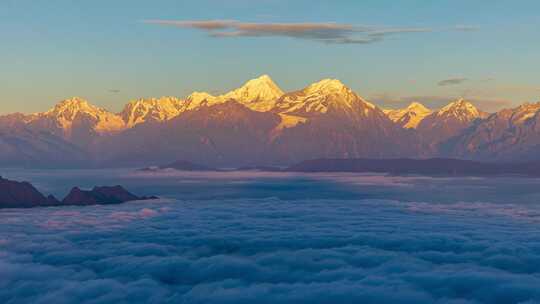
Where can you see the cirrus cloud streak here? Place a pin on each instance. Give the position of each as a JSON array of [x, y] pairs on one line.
[[328, 33], [452, 81]]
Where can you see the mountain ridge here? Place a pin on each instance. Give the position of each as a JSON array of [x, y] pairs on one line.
[[259, 124]]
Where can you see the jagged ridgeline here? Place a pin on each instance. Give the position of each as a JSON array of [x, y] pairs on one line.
[[14, 194], [259, 124]]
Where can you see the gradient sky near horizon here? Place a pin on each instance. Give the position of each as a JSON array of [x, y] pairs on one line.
[[113, 51]]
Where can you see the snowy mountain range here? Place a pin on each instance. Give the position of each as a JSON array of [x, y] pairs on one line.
[[259, 124]]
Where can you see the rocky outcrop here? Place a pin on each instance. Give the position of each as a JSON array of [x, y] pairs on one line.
[[15, 194], [22, 195], [101, 195]]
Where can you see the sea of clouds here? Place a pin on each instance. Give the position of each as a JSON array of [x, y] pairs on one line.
[[271, 250]]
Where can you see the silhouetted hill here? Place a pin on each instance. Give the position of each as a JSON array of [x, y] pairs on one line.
[[15, 194], [433, 166], [22, 195], [101, 195]]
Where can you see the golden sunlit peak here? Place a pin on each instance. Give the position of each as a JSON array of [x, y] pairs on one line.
[[198, 94], [263, 86], [417, 106], [460, 103], [73, 104], [327, 85], [73, 101], [264, 77]]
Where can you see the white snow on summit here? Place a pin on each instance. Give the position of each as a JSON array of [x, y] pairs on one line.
[[409, 117]]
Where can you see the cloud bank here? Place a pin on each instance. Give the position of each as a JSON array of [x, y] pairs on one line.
[[329, 33], [271, 251]]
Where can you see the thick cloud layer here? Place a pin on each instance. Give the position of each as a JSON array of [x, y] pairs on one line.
[[271, 251]]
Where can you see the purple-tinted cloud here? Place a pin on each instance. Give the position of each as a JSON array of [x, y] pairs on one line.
[[394, 31], [452, 81], [274, 251], [203, 25], [251, 247], [465, 28], [329, 33]]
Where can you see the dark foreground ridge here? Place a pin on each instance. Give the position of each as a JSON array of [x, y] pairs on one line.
[[101, 195], [433, 167], [22, 195], [15, 194]]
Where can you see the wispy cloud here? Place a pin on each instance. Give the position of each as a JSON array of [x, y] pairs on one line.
[[452, 81], [329, 33], [394, 31], [203, 25]]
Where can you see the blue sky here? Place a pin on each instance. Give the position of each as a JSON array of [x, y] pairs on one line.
[[106, 52]]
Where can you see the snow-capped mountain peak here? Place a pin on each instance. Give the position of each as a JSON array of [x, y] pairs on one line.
[[462, 110], [327, 86], [72, 106], [259, 94], [197, 99], [409, 117], [339, 91], [263, 86], [199, 96], [449, 121], [155, 109], [524, 112], [77, 111], [322, 96], [416, 106]]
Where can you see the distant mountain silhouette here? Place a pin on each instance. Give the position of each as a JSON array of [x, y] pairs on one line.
[[433, 167], [260, 168], [101, 195], [181, 165], [15, 194]]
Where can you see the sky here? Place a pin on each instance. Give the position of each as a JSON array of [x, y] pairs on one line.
[[390, 52]]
